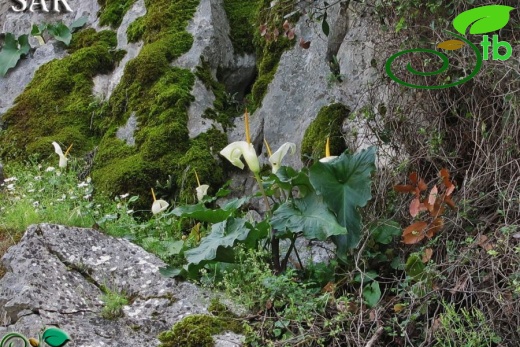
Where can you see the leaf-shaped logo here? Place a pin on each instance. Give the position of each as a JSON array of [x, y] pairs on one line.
[[482, 19], [55, 337], [451, 45]]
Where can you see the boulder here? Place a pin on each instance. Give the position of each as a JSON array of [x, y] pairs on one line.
[[56, 276]]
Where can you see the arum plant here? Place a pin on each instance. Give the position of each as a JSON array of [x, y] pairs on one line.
[[328, 157], [158, 205], [276, 158], [233, 152], [59, 152], [202, 189], [318, 203]]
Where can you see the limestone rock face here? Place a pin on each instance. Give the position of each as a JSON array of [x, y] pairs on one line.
[[304, 81], [56, 275], [210, 30]]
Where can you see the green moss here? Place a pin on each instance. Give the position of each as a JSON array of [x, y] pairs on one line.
[[225, 109], [159, 95], [57, 104], [90, 37], [113, 11], [135, 30], [326, 125], [242, 21], [202, 157], [197, 330]]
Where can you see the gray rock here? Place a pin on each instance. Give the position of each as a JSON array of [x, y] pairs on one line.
[[55, 277], [204, 99], [126, 132], [301, 85], [211, 42]]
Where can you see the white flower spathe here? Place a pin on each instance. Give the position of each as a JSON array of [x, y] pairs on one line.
[[202, 191], [159, 206], [327, 159], [63, 159], [235, 150], [276, 158]]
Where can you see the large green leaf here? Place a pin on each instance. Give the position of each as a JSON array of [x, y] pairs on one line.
[[60, 32], [12, 51], [482, 19], [55, 337], [344, 184], [217, 245], [78, 23], [310, 216], [204, 214]]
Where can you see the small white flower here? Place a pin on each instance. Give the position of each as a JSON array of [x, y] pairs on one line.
[[59, 152], [10, 179], [276, 158], [37, 178], [124, 196], [83, 184], [202, 191], [86, 197], [328, 157], [159, 206], [89, 179], [10, 186], [50, 169], [36, 204], [129, 211], [30, 190]]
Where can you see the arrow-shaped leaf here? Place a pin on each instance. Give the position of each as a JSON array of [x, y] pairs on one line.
[[60, 32], [309, 215], [12, 50], [482, 19], [345, 184]]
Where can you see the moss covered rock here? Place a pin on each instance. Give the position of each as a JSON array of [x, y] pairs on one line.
[[326, 125], [57, 104], [197, 330], [159, 95], [112, 11]]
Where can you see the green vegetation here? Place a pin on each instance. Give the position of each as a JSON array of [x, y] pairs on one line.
[[57, 104], [327, 124], [196, 330], [242, 23], [159, 96], [405, 270], [14, 48], [114, 300], [113, 11]]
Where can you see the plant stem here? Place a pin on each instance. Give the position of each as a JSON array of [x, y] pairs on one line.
[[275, 242]]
